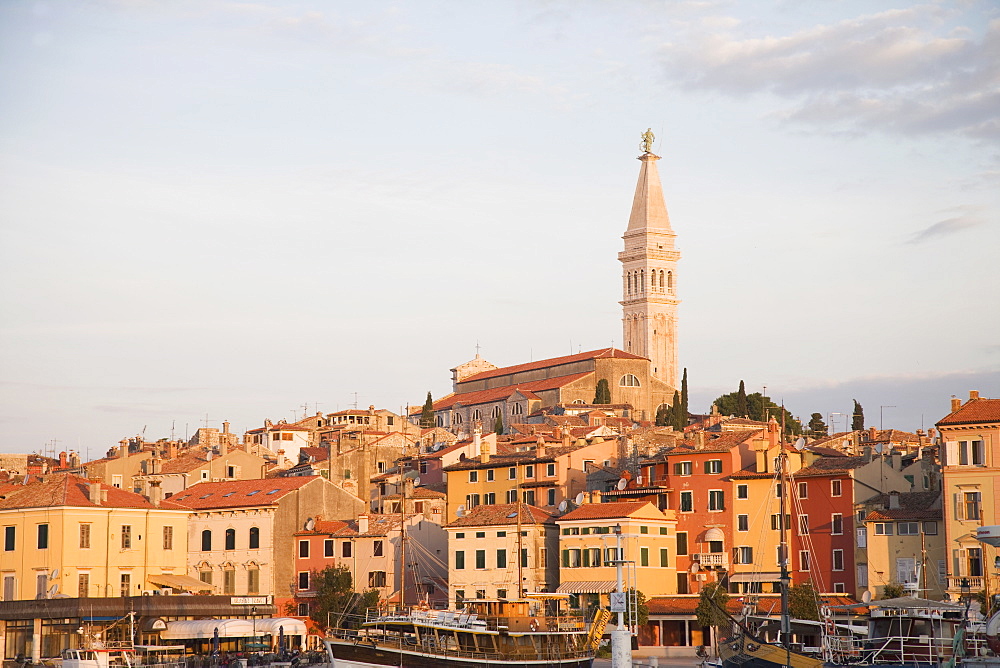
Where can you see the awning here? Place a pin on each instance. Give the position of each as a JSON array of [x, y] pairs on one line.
[[714, 534], [233, 628], [291, 627], [184, 582], [587, 587], [754, 577]]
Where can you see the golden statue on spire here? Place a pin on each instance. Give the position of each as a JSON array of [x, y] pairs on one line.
[[647, 141]]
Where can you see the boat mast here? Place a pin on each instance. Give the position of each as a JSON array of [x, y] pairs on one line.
[[785, 576], [402, 542], [517, 508]]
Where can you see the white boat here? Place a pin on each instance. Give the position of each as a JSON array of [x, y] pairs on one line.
[[112, 655]]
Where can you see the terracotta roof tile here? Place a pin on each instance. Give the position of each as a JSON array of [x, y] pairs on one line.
[[831, 466], [973, 411], [239, 493], [503, 514], [66, 489], [498, 393], [554, 361], [601, 511]]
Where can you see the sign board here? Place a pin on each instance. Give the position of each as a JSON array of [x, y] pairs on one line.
[[619, 601], [250, 600]]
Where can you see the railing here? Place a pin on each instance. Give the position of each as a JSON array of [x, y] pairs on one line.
[[974, 582], [550, 652], [472, 621], [712, 559]]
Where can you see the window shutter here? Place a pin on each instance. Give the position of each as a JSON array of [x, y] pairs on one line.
[[708, 468], [959, 509], [951, 451]]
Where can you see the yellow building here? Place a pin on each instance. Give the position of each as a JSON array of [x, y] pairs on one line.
[[588, 544], [970, 435], [69, 536]]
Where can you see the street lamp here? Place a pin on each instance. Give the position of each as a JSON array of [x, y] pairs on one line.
[[253, 617]]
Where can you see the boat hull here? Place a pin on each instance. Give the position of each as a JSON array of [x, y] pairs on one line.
[[364, 655]]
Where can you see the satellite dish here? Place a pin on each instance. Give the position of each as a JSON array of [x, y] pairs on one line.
[[310, 524], [622, 483], [563, 505], [416, 480], [866, 596], [54, 574], [460, 511], [579, 499], [638, 480], [695, 567], [800, 444], [52, 590]]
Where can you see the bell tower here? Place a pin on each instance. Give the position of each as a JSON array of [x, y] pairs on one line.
[[649, 273]]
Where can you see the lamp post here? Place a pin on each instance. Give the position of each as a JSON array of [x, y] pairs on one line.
[[253, 618]]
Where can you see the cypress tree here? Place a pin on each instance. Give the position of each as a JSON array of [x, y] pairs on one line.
[[684, 392], [858, 420], [742, 409], [663, 416], [677, 414], [427, 413], [498, 425], [602, 394]]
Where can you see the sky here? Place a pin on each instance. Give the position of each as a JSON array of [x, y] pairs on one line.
[[217, 210]]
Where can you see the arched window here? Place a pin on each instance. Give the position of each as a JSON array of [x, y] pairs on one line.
[[670, 281], [230, 539], [652, 279], [254, 538], [661, 279], [628, 283], [629, 380], [456, 418], [496, 412], [516, 409], [642, 280], [477, 414], [206, 540]]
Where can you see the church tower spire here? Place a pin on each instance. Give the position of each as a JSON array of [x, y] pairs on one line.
[[649, 273]]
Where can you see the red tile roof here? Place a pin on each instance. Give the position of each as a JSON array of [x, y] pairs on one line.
[[554, 361], [603, 511], [66, 489], [831, 466], [503, 514], [183, 464], [239, 493], [973, 411], [498, 393]]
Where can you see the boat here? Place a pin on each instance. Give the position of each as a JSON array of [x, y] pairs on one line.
[[124, 655], [530, 632]]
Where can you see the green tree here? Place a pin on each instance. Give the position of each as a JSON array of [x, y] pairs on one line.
[[816, 425], [427, 413], [498, 425], [336, 602], [742, 406], [892, 590], [760, 408], [664, 415], [678, 418], [684, 392], [858, 419], [708, 614], [603, 393], [802, 602]]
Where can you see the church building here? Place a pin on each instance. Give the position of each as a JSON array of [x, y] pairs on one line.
[[643, 375]]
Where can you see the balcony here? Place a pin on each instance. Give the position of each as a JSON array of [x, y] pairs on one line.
[[975, 582], [712, 559]]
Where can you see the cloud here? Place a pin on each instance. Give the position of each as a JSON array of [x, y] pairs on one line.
[[889, 72], [945, 228]]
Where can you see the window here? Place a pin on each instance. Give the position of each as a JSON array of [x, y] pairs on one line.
[[168, 538], [43, 537], [883, 529], [460, 559], [592, 557], [346, 548], [473, 476], [489, 475], [778, 490], [377, 548], [501, 558], [663, 531], [644, 556], [303, 609], [805, 560], [512, 473], [803, 525], [529, 497], [743, 523], [231, 539], [836, 524], [303, 579], [495, 413], [471, 501], [304, 549], [511, 496], [83, 585], [85, 536], [970, 452], [459, 599], [125, 586], [205, 576], [629, 380], [839, 588], [230, 471], [643, 529], [552, 497], [516, 409], [376, 579], [835, 488], [8, 539], [126, 537], [974, 562], [502, 593], [529, 471], [713, 466], [328, 549], [253, 580], [664, 558], [524, 554], [571, 558], [906, 569], [206, 540], [716, 500], [838, 560], [477, 415], [930, 528], [550, 470], [908, 528], [254, 538], [229, 581], [687, 502], [971, 505], [742, 491], [743, 555], [682, 542], [861, 571], [480, 559], [682, 468], [777, 524], [803, 490], [423, 467]]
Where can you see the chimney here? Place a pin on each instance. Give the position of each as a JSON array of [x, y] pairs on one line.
[[477, 440], [225, 426], [973, 395], [63, 461], [956, 403], [123, 448], [699, 440], [154, 463], [893, 500], [172, 450], [872, 433], [281, 458], [540, 446], [95, 493], [567, 439], [897, 460], [557, 431], [155, 493], [484, 452], [866, 452], [921, 437], [223, 445], [362, 524], [762, 461]]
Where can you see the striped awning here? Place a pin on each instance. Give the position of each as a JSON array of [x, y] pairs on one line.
[[587, 587], [754, 577]]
